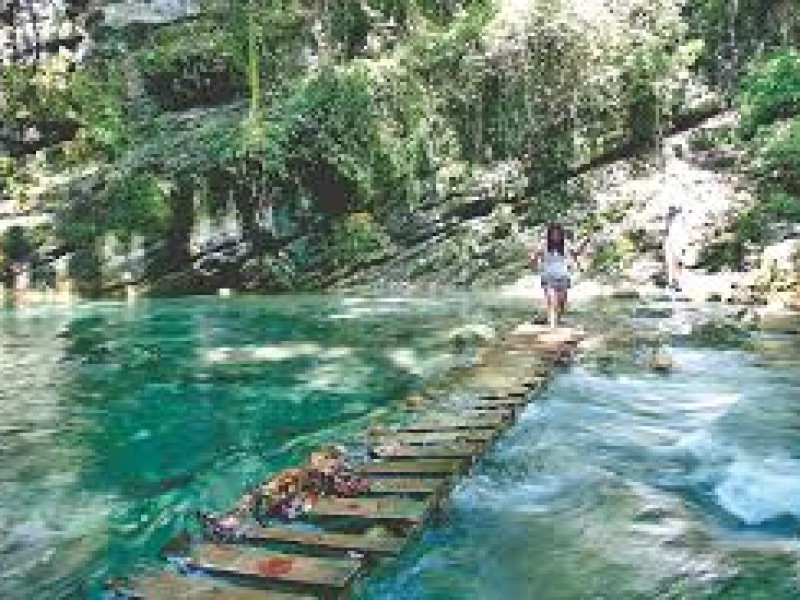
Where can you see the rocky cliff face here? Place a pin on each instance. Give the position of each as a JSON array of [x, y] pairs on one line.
[[296, 147]]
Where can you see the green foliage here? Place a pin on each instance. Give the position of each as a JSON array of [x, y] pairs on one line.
[[203, 74], [711, 138], [775, 156], [354, 239], [349, 26], [736, 32], [331, 121], [447, 92], [613, 256], [770, 91], [769, 136], [751, 229], [133, 204], [81, 105], [15, 245]]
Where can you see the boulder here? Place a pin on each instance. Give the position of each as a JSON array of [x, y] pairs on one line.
[[660, 361]]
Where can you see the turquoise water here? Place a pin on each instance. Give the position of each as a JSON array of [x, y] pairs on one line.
[[117, 421], [625, 484]]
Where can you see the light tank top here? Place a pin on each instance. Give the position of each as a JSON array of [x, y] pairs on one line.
[[555, 264]]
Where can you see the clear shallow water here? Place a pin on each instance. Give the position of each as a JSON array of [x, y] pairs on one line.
[[116, 422], [624, 484]]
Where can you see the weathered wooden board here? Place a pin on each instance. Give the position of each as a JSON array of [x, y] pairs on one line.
[[406, 486], [171, 586], [492, 383], [503, 396], [497, 408], [331, 573], [530, 331], [515, 393], [404, 451], [428, 466], [513, 402], [447, 422], [401, 510], [469, 409], [344, 542], [422, 438]]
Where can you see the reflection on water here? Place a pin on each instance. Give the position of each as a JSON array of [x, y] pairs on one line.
[[620, 483], [625, 484], [116, 421]]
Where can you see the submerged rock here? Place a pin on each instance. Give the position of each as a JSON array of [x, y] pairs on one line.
[[625, 294], [660, 361]]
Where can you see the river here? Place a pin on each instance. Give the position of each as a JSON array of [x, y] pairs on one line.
[[116, 421]]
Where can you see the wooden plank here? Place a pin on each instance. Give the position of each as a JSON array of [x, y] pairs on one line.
[[233, 561], [421, 438], [455, 422], [402, 510], [513, 394], [498, 407], [407, 486], [461, 414], [512, 403], [171, 586], [430, 466], [470, 409], [404, 451], [343, 542], [539, 331]]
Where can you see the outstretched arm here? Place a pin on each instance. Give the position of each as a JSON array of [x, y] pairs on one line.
[[581, 248], [534, 256]]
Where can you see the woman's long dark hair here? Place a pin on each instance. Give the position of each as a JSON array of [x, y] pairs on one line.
[[555, 238]]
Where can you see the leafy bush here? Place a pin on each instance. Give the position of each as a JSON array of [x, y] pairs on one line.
[[711, 138], [354, 239], [775, 156], [139, 203], [770, 91], [63, 104], [15, 244], [752, 24], [180, 77]]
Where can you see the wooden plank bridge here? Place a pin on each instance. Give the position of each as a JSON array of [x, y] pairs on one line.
[[415, 464]]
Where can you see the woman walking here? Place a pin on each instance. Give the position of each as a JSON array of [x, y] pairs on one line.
[[554, 258], [675, 245]]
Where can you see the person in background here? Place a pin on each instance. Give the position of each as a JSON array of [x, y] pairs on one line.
[[554, 259], [675, 244]]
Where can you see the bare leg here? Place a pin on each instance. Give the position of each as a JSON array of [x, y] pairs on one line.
[[679, 274], [561, 303], [552, 307], [670, 270]]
